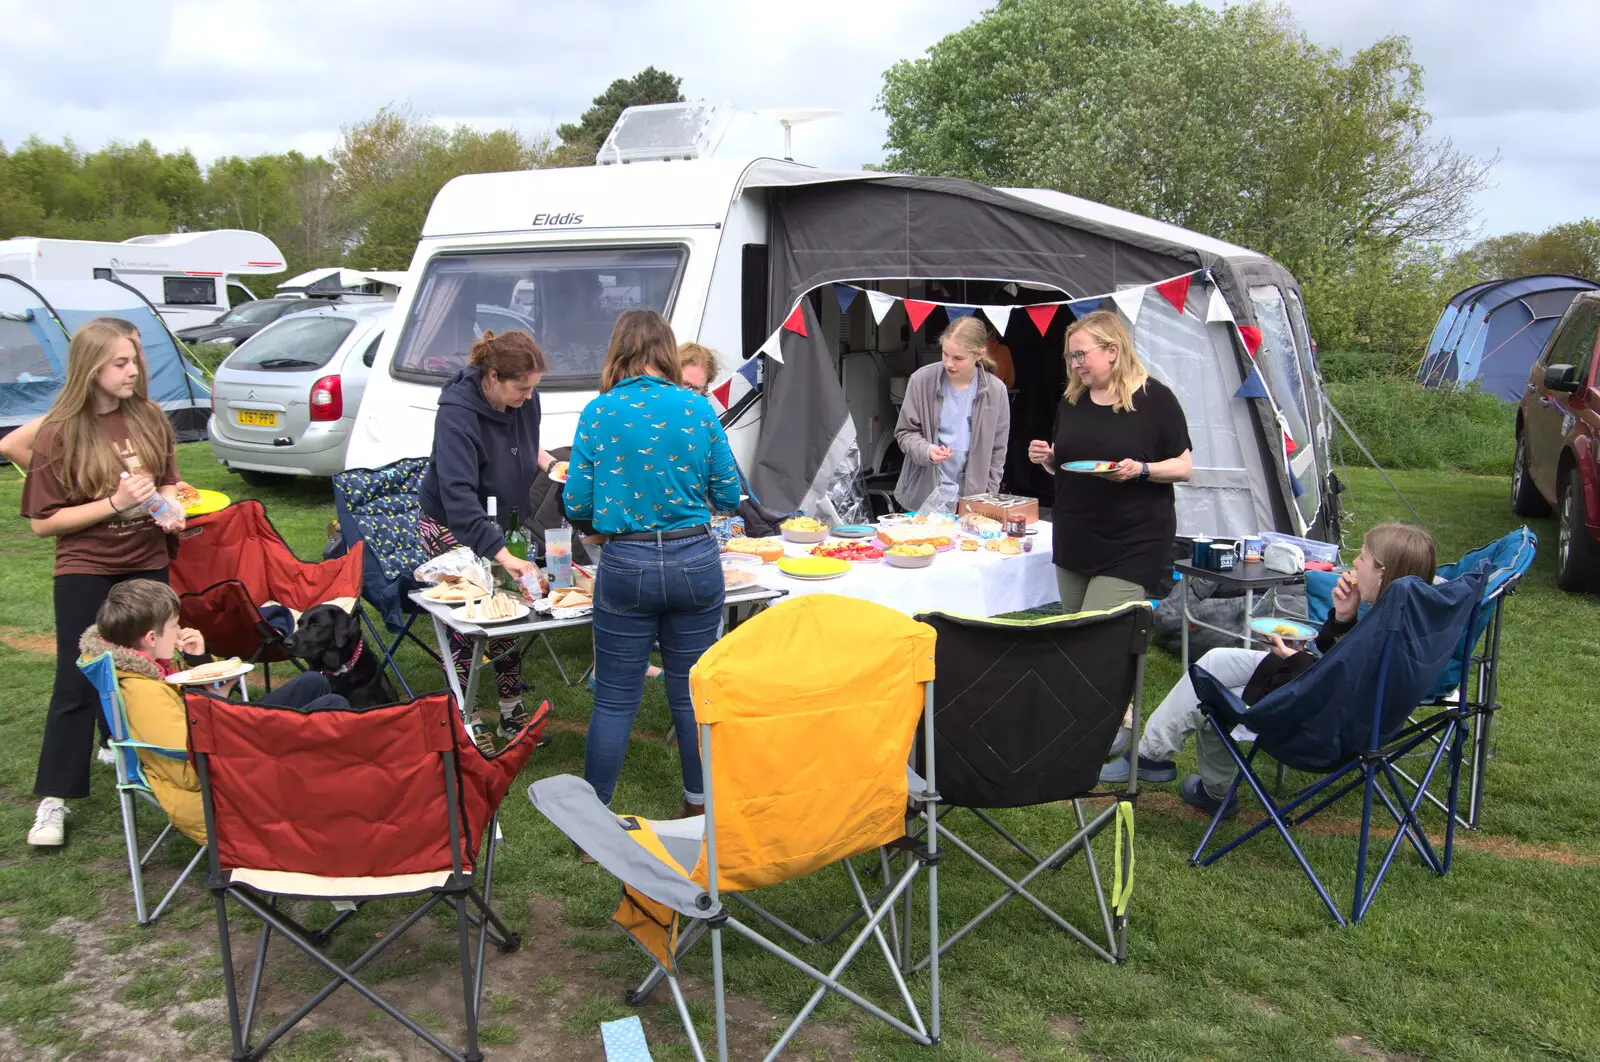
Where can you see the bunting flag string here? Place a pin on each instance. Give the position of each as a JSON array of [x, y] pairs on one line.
[[1252, 338], [954, 312], [999, 316], [1129, 301], [1086, 306], [1042, 315], [1175, 291], [1217, 308], [1253, 386], [882, 302], [772, 348], [917, 311], [797, 320], [846, 295]]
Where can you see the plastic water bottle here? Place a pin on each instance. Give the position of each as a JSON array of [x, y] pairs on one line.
[[162, 511]]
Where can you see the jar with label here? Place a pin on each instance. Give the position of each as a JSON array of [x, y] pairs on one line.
[[1016, 525]]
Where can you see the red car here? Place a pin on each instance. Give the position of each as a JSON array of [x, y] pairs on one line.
[[1558, 433]]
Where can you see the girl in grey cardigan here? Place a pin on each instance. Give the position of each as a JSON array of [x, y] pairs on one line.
[[955, 421]]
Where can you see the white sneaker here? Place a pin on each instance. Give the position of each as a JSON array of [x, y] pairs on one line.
[[106, 756], [49, 823]]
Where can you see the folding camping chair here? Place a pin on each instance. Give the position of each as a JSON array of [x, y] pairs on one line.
[[1024, 712], [1348, 718], [232, 562], [378, 507], [1478, 685], [132, 786], [807, 717], [351, 805]]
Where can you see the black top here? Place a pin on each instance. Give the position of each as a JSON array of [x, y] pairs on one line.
[[1275, 670], [1103, 527], [479, 453]]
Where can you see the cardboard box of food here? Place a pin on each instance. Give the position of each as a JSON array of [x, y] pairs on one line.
[[1000, 506]]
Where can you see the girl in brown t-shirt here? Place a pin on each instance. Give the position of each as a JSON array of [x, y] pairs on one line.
[[102, 451]]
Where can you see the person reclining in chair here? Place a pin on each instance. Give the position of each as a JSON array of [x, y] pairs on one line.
[[138, 626], [1388, 552]]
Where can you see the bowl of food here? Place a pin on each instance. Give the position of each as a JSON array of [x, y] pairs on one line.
[[855, 552], [803, 529], [765, 550], [915, 556]]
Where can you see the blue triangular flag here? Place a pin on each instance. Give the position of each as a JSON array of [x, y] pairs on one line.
[[1085, 306], [846, 295], [1295, 485], [749, 371], [1253, 386], [959, 311]]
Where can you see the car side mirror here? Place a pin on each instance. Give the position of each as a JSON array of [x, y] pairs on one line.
[[1562, 378]]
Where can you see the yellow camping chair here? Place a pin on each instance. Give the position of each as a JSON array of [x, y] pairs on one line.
[[807, 714]]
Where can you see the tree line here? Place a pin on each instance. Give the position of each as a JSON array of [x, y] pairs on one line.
[[1228, 122]]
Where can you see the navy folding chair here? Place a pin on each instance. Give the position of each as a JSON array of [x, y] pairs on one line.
[[379, 506], [1349, 718]]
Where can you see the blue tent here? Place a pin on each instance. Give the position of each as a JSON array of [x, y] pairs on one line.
[[1492, 333], [36, 323]]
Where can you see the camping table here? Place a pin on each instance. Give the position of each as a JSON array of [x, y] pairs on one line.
[[447, 620], [1250, 577], [973, 584]]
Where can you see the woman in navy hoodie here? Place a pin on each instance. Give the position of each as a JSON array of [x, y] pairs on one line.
[[486, 445]]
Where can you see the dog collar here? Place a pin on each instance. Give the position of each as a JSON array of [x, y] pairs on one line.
[[360, 644]]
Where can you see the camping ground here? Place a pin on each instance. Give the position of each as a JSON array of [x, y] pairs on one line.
[[1237, 961]]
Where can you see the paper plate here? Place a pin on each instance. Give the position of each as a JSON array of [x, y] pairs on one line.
[[181, 678], [210, 501], [1266, 625], [522, 610], [1088, 466], [813, 567]]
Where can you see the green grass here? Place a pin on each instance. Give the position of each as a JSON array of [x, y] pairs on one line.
[[1407, 426], [1233, 962]]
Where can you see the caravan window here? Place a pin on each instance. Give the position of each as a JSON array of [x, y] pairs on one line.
[[189, 291], [21, 357], [568, 300]]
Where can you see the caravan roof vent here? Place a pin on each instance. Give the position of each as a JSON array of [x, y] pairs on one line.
[[666, 131]]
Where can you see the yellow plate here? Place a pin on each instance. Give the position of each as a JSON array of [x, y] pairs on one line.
[[257, 418], [812, 566], [210, 501]]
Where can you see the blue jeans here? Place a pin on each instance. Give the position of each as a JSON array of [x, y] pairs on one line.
[[648, 593]]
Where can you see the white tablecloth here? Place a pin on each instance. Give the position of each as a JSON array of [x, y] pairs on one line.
[[972, 584]]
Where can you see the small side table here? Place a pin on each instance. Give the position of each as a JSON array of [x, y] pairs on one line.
[[1252, 578]]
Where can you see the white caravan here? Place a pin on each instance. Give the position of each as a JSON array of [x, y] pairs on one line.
[[191, 278], [726, 248]]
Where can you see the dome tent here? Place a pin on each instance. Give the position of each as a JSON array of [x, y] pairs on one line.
[[1492, 333]]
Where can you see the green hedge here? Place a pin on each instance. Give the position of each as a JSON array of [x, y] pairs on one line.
[[209, 355], [1407, 426]]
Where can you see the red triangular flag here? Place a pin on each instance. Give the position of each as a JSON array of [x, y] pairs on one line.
[[721, 393], [797, 320], [918, 311], [1252, 338], [1043, 315], [1176, 290], [1289, 445]]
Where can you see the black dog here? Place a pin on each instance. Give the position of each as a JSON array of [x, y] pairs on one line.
[[329, 640]]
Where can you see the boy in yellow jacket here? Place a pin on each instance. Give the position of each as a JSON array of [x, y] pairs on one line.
[[138, 626]]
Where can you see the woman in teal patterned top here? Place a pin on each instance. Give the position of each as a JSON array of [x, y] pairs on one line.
[[647, 455]]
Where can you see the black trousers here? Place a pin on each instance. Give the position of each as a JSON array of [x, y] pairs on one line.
[[69, 725], [308, 691]]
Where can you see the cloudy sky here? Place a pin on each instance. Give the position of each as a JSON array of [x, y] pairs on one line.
[[250, 76]]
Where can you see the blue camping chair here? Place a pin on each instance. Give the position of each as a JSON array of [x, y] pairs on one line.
[[1349, 718], [379, 506], [1508, 560], [133, 785]]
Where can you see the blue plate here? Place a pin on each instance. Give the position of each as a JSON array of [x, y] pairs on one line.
[[1267, 625], [1089, 466], [854, 531]]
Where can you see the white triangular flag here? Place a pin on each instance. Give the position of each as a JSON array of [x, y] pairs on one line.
[[772, 348], [999, 316], [881, 302], [1217, 308], [1128, 301]]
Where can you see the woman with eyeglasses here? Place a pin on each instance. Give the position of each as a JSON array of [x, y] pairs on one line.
[[1113, 529]]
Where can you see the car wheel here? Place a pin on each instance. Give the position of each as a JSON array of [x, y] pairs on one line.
[[1525, 497], [1577, 556], [263, 479]]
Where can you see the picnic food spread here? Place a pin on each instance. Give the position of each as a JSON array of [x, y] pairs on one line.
[[926, 534], [803, 523], [1009, 547], [915, 550], [455, 591], [490, 609], [768, 549], [571, 599], [215, 669], [734, 577], [847, 551]]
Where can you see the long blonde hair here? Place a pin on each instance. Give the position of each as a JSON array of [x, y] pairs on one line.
[[1128, 375], [1400, 550], [971, 335], [90, 465]]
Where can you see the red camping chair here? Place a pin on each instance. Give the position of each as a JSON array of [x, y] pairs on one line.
[[232, 562], [355, 805]]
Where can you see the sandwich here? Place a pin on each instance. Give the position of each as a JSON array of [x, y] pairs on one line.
[[456, 590], [571, 598], [214, 670], [490, 609]]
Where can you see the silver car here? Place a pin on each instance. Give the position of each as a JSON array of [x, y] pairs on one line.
[[283, 404]]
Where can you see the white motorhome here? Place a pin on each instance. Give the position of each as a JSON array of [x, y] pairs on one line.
[[727, 248], [191, 278]]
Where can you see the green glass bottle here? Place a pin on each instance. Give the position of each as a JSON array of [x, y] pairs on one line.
[[516, 540]]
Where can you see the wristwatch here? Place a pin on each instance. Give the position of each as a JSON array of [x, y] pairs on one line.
[[1144, 469]]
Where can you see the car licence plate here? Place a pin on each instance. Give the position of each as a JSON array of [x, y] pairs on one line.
[[258, 418]]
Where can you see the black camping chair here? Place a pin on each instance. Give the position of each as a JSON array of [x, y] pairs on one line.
[[1024, 712]]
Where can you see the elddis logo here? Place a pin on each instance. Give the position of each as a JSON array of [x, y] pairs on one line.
[[542, 220]]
